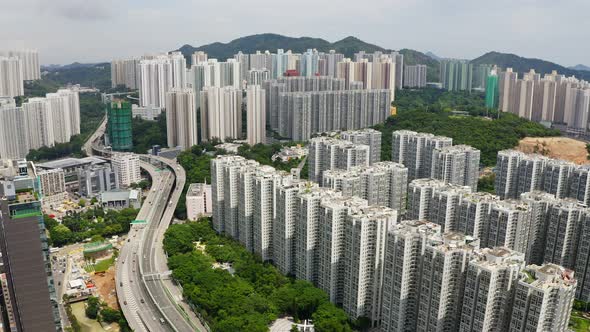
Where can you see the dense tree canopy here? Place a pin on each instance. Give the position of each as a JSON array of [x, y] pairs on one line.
[[430, 111], [148, 133], [250, 299], [92, 307], [79, 226], [263, 153]]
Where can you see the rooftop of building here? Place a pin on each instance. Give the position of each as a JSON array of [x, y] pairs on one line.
[[229, 147], [537, 195], [548, 276], [558, 163], [124, 155], [427, 182], [119, 195], [458, 148], [569, 204], [420, 134], [362, 131], [479, 196], [451, 241], [318, 192], [343, 174], [416, 227], [197, 189], [71, 162], [335, 199], [296, 184], [497, 256], [454, 189], [511, 205], [50, 171]]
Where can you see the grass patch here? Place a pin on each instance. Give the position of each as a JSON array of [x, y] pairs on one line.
[[579, 323], [100, 266]]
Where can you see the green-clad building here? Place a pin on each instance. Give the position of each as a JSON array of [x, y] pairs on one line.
[[119, 131], [492, 90]]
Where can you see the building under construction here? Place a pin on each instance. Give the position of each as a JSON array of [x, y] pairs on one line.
[[119, 131]]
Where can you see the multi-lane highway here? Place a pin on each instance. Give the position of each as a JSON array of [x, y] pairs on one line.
[[136, 302], [92, 140], [149, 299]]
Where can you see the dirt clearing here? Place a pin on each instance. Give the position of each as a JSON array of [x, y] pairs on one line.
[[105, 284], [556, 147]]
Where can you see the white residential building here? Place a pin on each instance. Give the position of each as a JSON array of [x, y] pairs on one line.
[[61, 116], [543, 300], [29, 62], [11, 77], [444, 205], [332, 243], [367, 136], [442, 282], [229, 74], [564, 221], [149, 113], [327, 153], [556, 177], [178, 66], [181, 118], [402, 275], [384, 183], [73, 98], [308, 236], [420, 196], [246, 203], [218, 190], [265, 181], [158, 76], [473, 214], [365, 234], [509, 226], [126, 166], [155, 80], [198, 57], [258, 76], [13, 133], [539, 204], [126, 73], [244, 61], [261, 60], [415, 151], [221, 113], [284, 251], [39, 120], [256, 114], [415, 76], [489, 289], [198, 201], [458, 164]]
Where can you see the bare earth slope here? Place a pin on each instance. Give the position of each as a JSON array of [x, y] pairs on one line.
[[556, 147]]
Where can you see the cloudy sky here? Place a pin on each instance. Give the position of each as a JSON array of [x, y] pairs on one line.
[[65, 31]]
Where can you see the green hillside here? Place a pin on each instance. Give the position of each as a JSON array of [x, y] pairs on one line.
[[96, 75], [412, 57], [522, 65], [271, 42]]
